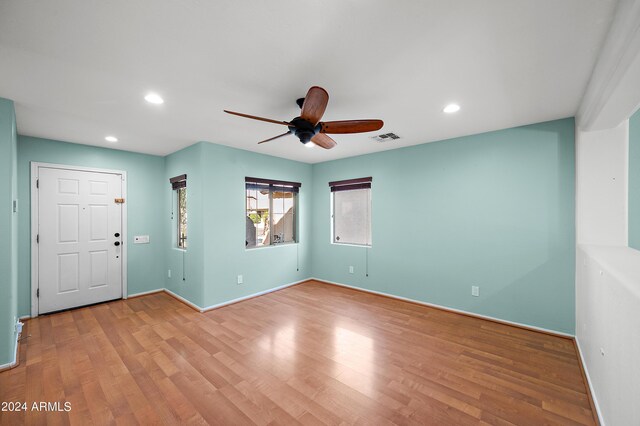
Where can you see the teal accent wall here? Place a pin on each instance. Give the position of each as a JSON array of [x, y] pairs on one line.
[[634, 181], [494, 210], [216, 252], [187, 266], [145, 207], [225, 254], [8, 232]]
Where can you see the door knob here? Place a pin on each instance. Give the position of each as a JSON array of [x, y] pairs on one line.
[[117, 243], [117, 234]]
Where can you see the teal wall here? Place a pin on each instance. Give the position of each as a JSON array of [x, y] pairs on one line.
[[634, 181], [187, 264], [8, 232], [216, 252], [145, 206], [224, 232], [494, 210]]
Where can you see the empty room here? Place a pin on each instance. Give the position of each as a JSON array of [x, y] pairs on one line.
[[339, 212]]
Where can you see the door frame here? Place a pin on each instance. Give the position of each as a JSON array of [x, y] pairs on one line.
[[35, 219]]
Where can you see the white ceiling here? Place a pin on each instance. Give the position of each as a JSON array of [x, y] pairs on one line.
[[78, 69]]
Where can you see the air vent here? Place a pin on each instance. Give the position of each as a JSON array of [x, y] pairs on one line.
[[386, 137]]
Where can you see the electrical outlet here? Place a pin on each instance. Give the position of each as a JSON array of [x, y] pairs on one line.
[[168, 273], [475, 290], [240, 280], [602, 351], [351, 269]]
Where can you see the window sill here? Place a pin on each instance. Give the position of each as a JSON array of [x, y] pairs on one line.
[[270, 246], [351, 245]]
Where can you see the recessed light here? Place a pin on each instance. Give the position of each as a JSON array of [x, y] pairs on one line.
[[309, 144], [154, 98], [111, 139], [451, 108]]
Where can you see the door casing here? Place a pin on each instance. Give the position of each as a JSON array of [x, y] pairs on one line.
[[35, 220]]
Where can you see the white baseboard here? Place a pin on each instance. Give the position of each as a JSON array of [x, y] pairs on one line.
[[183, 300], [260, 293], [25, 317], [589, 383], [230, 302], [446, 308], [432, 305], [15, 357], [144, 293]]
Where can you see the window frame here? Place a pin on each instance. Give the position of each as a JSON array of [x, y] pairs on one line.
[[273, 186], [351, 185], [181, 241], [179, 183]]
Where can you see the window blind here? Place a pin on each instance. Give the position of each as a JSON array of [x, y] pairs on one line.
[[178, 182], [351, 184], [271, 185]]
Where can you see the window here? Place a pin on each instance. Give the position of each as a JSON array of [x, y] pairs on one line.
[[270, 212], [179, 185], [351, 211], [182, 217]]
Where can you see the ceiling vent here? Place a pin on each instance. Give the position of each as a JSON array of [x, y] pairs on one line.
[[386, 137]]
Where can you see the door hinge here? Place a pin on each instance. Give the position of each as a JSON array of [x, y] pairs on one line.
[[38, 239], [38, 293], [37, 183]]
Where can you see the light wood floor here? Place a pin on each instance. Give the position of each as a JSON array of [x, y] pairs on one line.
[[311, 354]]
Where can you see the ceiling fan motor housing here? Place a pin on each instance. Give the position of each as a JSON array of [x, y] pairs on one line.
[[303, 129]]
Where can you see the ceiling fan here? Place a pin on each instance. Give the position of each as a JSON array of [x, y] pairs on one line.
[[308, 127]]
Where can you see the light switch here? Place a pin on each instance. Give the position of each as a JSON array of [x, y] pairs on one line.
[[141, 239]]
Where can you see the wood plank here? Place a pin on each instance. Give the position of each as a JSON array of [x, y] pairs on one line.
[[309, 354]]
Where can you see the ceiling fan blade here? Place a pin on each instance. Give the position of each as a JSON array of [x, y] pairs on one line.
[[351, 126], [268, 120], [275, 137], [323, 140], [314, 105]]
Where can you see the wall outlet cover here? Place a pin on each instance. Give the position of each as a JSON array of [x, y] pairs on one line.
[[475, 290], [141, 239], [240, 279]]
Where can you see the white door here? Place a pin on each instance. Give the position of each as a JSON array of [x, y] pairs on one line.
[[79, 230]]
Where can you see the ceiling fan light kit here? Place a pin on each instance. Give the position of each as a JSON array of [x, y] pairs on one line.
[[309, 129]]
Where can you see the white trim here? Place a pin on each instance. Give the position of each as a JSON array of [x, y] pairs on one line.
[[260, 293], [24, 317], [589, 383], [125, 233], [144, 293], [446, 308], [182, 299], [34, 224], [271, 246], [230, 302], [33, 245], [15, 356]]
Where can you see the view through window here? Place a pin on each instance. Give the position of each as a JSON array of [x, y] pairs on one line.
[[182, 217], [270, 212]]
